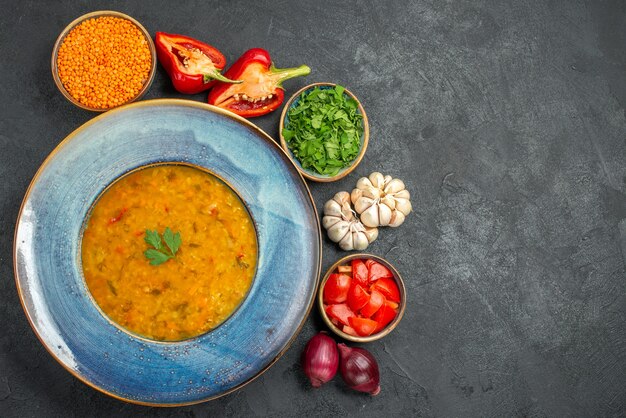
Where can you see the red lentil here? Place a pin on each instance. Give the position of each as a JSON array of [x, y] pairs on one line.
[[104, 62]]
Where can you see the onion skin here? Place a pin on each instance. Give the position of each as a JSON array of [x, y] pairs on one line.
[[359, 369], [320, 359]]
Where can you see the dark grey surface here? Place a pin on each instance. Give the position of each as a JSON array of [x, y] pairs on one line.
[[507, 122]]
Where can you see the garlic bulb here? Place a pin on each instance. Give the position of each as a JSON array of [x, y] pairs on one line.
[[344, 227], [381, 200]]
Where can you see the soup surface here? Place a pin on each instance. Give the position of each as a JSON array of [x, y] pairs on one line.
[[198, 286]]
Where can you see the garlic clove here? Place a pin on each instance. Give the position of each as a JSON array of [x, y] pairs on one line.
[[377, 179], [371, 192], [332, 208], [371, 234], [369, 217], [363, 204], [394, 186], [338, 231], [404, 194], [389, 201], [357, 226], [384, 215], [360, 241], [363, 182], [404, 206], [347, 243], [388, 179], [342, 198], [356, 195], [346, 211], [328, 221], [397, 218]]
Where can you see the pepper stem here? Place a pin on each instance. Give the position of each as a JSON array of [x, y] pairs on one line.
[[283, 74], [218, 76]]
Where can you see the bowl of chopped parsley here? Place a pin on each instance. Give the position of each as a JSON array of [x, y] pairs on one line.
[[324, 129]]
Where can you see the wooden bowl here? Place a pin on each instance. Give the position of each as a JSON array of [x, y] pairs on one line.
[[390, 327], [309, 174], [72, 25]]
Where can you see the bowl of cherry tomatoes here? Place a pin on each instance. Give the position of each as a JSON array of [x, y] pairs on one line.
[[362, 298]]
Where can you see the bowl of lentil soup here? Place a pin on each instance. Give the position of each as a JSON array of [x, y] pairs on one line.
[[63, 263], [103, 60]]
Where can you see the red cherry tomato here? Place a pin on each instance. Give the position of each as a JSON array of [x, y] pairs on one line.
[[377, 271], [363, 326], [387, 287], [341, 312], [336, 288], [384, 316], [360, 272], [376, 301], [357, 297]]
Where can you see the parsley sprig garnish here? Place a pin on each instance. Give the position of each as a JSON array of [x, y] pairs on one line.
[[161, 253]]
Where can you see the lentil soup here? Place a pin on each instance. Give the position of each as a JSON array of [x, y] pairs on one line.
[[196, 288]]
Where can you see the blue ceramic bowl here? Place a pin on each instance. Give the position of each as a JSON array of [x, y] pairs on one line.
[[48, 263], [284, 120]]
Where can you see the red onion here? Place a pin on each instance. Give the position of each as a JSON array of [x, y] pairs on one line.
[[359, 369], [320, 359]]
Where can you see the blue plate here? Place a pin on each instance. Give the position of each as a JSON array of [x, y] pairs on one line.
[[48, 263]]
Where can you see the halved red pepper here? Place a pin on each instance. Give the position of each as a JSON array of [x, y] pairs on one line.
[[192, 65], [260, 92]]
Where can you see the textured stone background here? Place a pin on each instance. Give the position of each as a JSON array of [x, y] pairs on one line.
[[507, 122]]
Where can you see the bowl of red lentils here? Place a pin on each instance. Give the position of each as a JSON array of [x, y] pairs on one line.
[[103, 60]]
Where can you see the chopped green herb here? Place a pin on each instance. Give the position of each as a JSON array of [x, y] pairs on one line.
[[111, 287], [242, 264], [159, 254], [324, 130]]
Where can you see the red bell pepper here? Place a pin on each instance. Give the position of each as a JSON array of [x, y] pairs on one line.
[[260, 92], [118, 217], [192, 65]]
